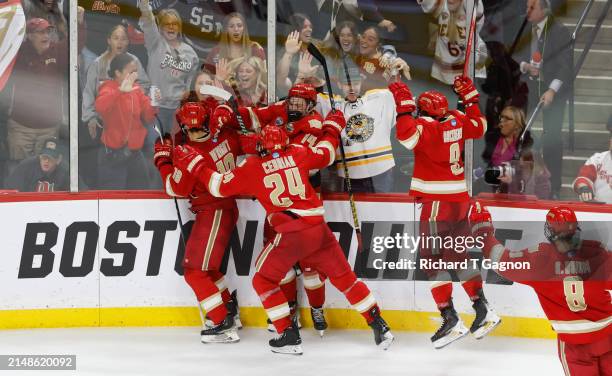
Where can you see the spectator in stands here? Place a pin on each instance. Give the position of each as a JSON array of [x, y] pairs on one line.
[[172, 63], [546, 64], [251, 78], [50, 11], [449, 40], [524, 169], [97, 73], [370, 118], [296, 46], [125, 110], [375, 68], [42, 173], [594, 181], [234, 43], [343, 47], [39, 85]]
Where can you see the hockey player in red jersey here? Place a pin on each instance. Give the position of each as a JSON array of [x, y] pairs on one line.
[[214, 222], [279, 180], [304, 127], [437, 138], [572, 279]]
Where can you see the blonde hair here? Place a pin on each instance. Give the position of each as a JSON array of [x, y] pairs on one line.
[[518, 115], [259, 65], [170, 13], [224, 41]]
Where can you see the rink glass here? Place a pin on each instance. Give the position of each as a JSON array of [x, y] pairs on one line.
[[202, 27]]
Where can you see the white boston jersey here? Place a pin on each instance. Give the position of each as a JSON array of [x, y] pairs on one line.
[[367, 136]]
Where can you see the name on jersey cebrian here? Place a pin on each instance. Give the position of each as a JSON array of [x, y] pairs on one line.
[[428, 264], [276, 164]]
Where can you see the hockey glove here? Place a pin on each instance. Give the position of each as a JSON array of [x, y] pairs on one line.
[[464, 87], [404, 101], [222, 116], [162, 152], [480, 220], [585, 193], [334, 123], [249, 143]]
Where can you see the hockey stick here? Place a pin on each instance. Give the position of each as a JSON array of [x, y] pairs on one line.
[[314, 51], [229, 98], [176, 206], [470, 41]]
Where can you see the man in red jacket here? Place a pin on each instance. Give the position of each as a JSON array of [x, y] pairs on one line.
[[214, 222], [279, 181], [571, 278], [39, 86]]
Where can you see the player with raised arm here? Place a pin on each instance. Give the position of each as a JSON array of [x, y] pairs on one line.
[[437, 137], [279, 180], [304, 127], [215, 218], [572, 279]]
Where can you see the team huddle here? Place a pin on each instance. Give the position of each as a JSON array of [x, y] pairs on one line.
[[285, 144]]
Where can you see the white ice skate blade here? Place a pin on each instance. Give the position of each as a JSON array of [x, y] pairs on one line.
[[289, 350], [491, 322], [321, 333], [386, 343], [229, 336], [459, 331]]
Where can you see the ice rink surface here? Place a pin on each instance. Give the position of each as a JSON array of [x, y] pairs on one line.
[[178, 351]]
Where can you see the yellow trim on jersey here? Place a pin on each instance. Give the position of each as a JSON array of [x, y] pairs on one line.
[[368, 161], [369, 151], [338, 318]]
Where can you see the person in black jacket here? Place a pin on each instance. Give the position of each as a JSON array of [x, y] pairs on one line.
[[42, 173], [546, 65]]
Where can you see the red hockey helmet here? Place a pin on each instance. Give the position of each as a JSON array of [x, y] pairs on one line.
[[561, 224], [433, 103], [306, 91], [274, 137], [192, 115]]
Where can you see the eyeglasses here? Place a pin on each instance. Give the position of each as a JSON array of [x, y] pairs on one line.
[[505, 118]]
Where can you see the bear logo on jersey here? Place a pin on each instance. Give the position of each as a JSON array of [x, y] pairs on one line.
[[359, 128]]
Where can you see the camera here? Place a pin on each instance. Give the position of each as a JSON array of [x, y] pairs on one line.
[[493, 175]]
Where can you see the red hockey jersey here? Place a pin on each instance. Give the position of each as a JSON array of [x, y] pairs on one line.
[[220, 156], [574, 291], [438, 147], [279, 180]]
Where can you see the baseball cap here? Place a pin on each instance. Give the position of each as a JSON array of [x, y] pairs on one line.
[[37, 24], [51, 148]]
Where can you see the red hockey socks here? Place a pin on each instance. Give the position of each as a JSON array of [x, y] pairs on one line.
[[314, 285], [219, 280], [442, 292], [207, 293], [472, 287], [274, 302], [357, 293], [289, 286]]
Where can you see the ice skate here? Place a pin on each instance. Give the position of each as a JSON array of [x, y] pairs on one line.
[[382, 333], [318, 320], [234, 309], [486, 319], [225, 332], [288, 342], [451, 330]]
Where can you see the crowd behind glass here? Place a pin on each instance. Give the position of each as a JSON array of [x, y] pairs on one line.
[[139, 60]]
